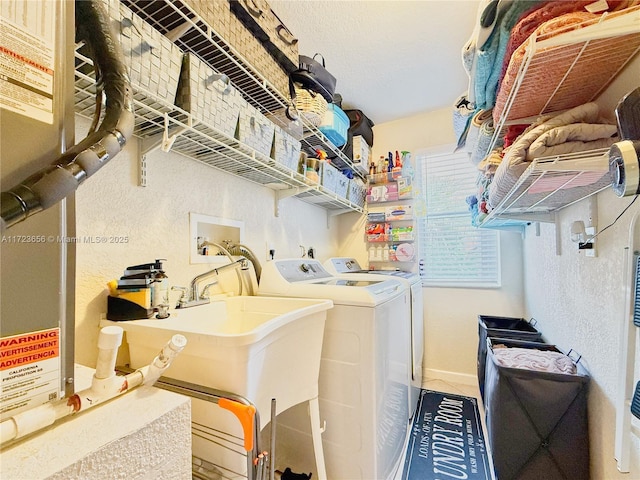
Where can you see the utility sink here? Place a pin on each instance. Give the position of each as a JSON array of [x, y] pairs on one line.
[[257, 347]]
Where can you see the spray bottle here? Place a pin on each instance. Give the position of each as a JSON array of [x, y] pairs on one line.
[[407, 168]]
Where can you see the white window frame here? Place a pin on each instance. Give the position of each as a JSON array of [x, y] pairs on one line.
[[445, 159]]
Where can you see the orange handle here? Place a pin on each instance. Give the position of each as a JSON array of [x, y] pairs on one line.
[[245, 414]]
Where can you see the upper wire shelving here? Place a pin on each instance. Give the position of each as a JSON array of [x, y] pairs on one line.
[[559, 72], [159, 124], [179, 22]]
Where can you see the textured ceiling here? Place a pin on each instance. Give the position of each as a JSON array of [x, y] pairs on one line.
[[391, 58]]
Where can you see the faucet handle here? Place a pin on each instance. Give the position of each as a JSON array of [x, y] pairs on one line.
[[205, 291], [183, 298]]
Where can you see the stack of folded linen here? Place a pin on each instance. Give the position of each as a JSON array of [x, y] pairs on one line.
[[576, 130]]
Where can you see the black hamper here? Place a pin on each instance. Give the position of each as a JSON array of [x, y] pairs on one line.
[[504, 327], [536, 420]]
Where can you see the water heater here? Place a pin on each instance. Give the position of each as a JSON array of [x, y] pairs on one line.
[[37, 272]]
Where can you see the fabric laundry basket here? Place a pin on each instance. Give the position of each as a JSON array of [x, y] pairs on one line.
[[537, 422], [503, 327], [209, 96]]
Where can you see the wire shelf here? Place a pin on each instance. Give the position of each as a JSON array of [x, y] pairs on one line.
[[198, 141], [202, 39], [550, 184], [571, 68], [559, 72]]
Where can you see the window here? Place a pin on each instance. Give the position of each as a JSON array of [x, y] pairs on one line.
[[454, 252]]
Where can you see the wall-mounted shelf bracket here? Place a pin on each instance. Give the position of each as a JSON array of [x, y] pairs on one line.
[[286, 193], [168, 140], [148, 145]]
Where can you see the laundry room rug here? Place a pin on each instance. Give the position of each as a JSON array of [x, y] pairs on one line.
[[446, 440]]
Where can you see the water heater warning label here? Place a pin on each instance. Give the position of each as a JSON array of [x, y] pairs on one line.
[[29, 369], [27, 40]]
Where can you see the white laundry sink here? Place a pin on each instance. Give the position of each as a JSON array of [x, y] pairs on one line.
[[257, 347]]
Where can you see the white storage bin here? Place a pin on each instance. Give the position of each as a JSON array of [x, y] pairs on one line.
[[342, 185], [329, 176], [286, 149], [209, 96], [357, 192], [153, 61], [255, 130], [361, 154]]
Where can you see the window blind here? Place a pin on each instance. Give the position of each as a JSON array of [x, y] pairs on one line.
[[454, 253]]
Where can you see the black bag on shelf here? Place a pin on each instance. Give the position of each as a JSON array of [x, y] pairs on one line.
[[312, 75], [359, 124]]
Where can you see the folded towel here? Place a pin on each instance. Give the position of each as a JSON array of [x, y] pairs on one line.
[[538, 360], [491, 54], [482, 127], [482, 29]]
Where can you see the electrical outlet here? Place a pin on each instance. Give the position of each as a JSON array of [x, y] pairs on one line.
[[591, 232]]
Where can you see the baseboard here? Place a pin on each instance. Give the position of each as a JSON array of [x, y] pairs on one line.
[[452, 377]]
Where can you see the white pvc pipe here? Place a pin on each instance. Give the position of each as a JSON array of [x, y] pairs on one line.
[[627, 350], [105, 386], [109, 341]]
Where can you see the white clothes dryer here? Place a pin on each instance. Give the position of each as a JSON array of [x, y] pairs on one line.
[[363, 382], [348, 267]]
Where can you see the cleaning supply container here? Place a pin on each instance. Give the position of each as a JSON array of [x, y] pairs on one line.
[[503, 327], [335, 125]]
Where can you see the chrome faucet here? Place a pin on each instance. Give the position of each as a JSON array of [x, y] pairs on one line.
[[191, 297]]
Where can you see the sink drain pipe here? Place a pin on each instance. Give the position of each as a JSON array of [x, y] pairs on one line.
[[104, 386]]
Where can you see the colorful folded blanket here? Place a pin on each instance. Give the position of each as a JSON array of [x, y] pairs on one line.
[[532, 20], [555, 26], [490, 55]]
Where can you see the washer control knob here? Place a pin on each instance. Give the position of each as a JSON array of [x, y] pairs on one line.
[[304, 267]]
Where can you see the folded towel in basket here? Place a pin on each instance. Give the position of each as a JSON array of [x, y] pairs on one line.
[[531, 359]]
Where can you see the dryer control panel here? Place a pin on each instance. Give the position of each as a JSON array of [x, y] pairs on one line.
[[301, 270]]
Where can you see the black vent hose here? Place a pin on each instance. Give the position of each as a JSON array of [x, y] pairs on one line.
[[55, 182]]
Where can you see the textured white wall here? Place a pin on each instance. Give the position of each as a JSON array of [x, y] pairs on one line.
[[579, 303], [156, 221]]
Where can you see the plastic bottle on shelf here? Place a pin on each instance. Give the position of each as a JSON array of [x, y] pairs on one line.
[[397, 167], [407, 168], [385, 253]]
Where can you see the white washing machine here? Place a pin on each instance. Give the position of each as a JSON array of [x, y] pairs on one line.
[[363, 381], [347, 267]]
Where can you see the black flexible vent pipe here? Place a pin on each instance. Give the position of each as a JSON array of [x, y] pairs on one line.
[[55, 182]]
